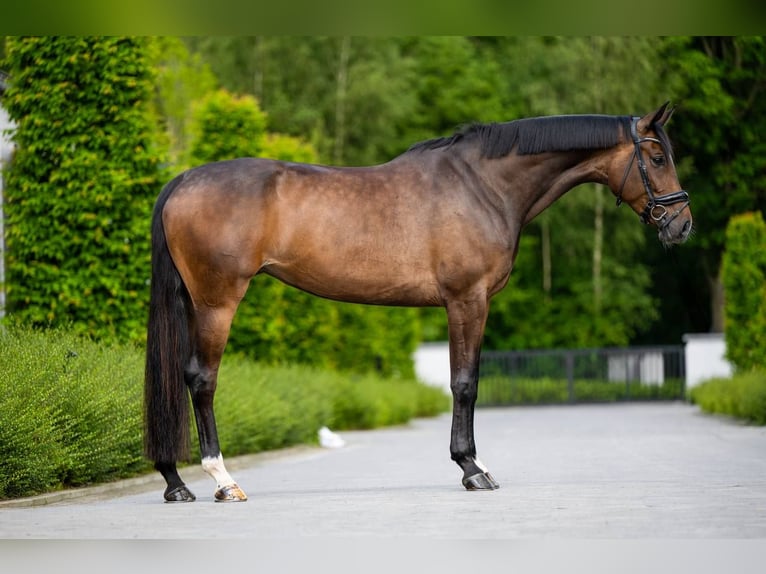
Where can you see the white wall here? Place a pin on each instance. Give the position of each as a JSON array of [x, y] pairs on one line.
[[705, 357], [6, 146], [432, 364], [6, 150]]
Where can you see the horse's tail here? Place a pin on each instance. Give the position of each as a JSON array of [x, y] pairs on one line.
[[168, 350]]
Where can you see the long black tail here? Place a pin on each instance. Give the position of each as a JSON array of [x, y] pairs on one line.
[[168, 350]]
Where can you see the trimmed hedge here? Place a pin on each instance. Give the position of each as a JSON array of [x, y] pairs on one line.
[[743, 396], [81, 184], [71, 408], [499, 390], [743, 273]]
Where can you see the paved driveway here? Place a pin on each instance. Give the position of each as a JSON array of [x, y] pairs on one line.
[[632, 471]]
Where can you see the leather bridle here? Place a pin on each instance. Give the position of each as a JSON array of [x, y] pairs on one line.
[[656, 208]]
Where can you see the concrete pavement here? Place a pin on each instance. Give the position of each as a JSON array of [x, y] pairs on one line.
[[624, 471]]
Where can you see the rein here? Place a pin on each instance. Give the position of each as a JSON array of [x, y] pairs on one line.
[[656, 208]]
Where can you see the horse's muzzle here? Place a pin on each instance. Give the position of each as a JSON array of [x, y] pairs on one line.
[[676, 229]]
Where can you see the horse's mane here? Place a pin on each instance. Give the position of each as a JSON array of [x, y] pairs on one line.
[[539, 135]]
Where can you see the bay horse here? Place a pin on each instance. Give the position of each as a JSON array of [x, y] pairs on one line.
[[438, 225]]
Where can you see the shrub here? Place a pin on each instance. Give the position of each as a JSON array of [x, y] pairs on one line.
[[503, 390], [226, 126], [260, 407], [70, 411], [743, 273], [70, 408], [81, 184], [743, 396]]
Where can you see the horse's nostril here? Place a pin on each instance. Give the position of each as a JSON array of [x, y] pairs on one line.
[[686, 228]]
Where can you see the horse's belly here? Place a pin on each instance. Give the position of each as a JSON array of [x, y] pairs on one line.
[[361, 281]]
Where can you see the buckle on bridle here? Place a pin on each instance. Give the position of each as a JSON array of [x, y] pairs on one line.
[[661, 215]]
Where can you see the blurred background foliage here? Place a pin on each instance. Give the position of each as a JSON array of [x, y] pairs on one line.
[[588, 274]]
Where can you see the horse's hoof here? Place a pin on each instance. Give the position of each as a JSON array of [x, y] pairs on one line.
[[480, 481], [179, 494], [230, 493]]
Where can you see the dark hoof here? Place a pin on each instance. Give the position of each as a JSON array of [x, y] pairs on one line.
[[480, 481], [179, 494], [230, 493]]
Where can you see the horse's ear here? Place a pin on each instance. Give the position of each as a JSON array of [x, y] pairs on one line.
[[660, 116], [667, 114]]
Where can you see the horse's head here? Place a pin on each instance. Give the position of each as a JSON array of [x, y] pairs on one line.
[[643, 175]]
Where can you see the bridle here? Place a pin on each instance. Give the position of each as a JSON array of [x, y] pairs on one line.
[[656, 208]]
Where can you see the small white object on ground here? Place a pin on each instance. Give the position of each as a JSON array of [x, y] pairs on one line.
[[329, 439]]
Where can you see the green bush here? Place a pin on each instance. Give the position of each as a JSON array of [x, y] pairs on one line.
[[70, 411], [263, 407], [71, 408], [80, 186], [226, 126], [503, 390], [743, 396], [743, 274]]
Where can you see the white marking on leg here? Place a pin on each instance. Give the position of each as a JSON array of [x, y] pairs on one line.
[[214, 467], [481, 466]]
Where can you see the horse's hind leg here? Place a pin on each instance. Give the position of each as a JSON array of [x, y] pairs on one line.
[[176, 490], [466, 321], [211, 330]]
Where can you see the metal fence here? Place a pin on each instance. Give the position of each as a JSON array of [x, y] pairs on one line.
[[582, 375]]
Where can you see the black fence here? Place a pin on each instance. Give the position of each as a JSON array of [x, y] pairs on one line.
[[581, 375]]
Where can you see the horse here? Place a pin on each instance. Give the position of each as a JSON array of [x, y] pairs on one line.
[[438, 225]]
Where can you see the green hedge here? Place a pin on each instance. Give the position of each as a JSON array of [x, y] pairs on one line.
[[499, 390], [81, 184], [743, 396], [70, 412], [743, 274], [71, 408]]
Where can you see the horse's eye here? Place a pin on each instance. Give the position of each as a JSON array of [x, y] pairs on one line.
[[658, 160]]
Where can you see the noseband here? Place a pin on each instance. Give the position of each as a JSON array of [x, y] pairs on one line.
[[656, 208]]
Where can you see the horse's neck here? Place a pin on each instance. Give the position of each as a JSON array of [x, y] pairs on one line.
[[534, 182]]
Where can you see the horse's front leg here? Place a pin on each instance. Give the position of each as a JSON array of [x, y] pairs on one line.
[[466, 328]]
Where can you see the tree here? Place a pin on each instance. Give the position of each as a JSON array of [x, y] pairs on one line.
[[585, 284], [719, 84], [454, 82], [80, 188], [348, 96], [226, 126], [181, 80], [365, 100]]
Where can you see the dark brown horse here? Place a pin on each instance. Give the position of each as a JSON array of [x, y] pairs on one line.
[[438, 225]]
